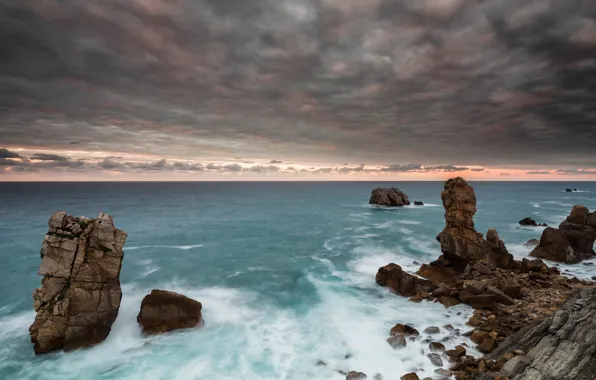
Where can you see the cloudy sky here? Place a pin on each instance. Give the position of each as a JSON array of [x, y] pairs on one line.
[[297, 89]]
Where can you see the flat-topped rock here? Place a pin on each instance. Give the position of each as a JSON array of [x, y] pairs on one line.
[[163, 311], [390, 197], [80, 292]]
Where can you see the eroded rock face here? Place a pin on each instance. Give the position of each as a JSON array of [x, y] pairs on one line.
[[391, 197], [163, 311], [461, 244], [561, 346], [573, 241], [80, 293]]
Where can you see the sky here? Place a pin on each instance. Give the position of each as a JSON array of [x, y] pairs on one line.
[[297, 89]]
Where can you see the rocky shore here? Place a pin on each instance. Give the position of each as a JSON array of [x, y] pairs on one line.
[[507, 295]]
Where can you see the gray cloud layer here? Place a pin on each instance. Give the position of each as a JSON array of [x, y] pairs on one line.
[[380, 81]]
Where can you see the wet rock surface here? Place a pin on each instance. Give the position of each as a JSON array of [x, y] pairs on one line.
[[163, 311], [80, 292]]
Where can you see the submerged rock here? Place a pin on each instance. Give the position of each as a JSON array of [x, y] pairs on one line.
[[353, 375], [573, 241], [163, 311], [392, 197], [80, 291]]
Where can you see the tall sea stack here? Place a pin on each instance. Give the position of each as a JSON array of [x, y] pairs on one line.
[[80, 292]]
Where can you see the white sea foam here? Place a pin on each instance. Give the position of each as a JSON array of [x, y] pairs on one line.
[[183, 247], [412, 222]]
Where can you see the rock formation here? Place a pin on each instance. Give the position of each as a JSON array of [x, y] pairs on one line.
[[163, 311], [394, 277], [80, 291], [391, 197], [461, 244], [561, 346], [573, 241], [531, 222]]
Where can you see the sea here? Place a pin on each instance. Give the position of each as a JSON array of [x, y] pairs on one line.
[[285, 272]]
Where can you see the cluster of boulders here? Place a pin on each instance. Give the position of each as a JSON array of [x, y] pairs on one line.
[[391, 197], [80, 292], [507, 294], [573, 241]]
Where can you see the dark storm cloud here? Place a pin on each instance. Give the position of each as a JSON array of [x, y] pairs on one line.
[[5, 153], [430, 81], [49, 157]]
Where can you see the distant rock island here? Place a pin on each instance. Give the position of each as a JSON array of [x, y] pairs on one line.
[[531, 222], [390, 197]]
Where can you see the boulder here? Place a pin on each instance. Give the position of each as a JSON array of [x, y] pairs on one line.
[[511, 287], [418, 203], [535, 265], [163, 311], [432, 330], [437, 274], [353, 375], [436, 347], [410, 376], [456, 353], [397, 341], [400, 281], [405, 330], [80, 292], [391, 197], [528, 222], [573, 241]]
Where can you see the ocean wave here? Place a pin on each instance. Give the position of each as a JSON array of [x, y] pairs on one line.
[[183, 247], [413, 222]]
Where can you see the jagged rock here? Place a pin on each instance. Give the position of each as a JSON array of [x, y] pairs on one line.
[[560, 347], [353, 375], [511, 287], [80, 293], [418, 203], [392, 197], [573, 241], [394, 277], [405, 330], [438, 275], [531, 222], [456, 353], [535, 265], [163, 311]]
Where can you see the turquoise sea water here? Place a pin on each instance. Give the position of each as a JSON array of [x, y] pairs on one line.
[[285, 272]]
